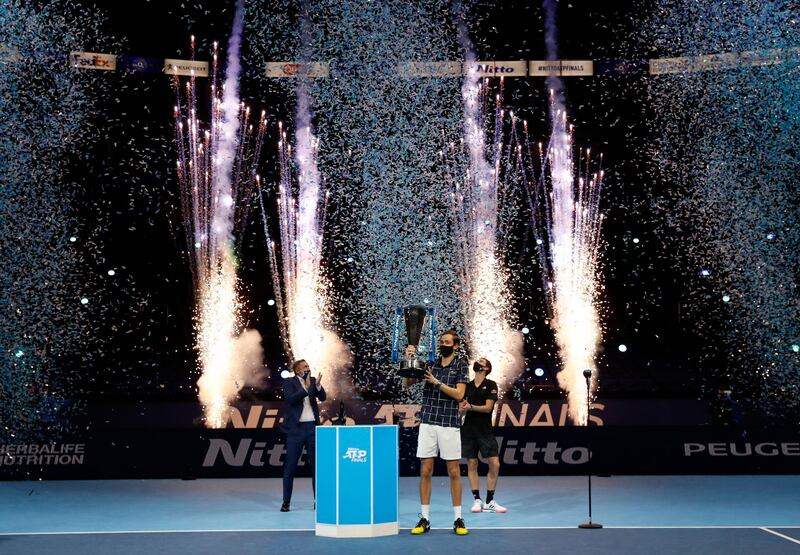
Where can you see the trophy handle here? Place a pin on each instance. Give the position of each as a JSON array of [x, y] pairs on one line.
[[398, 315], [431, 334]]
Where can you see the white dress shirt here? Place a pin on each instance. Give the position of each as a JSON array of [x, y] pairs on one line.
[[308, 413]]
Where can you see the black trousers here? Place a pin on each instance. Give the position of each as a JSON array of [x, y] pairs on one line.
[[302, 436]]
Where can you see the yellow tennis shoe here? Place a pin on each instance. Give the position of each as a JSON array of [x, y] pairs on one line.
[[422, 527]]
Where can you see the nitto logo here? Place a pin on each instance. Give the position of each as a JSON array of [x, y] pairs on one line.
[[239, 457], [355, 455], [513, 451], [490, 68]]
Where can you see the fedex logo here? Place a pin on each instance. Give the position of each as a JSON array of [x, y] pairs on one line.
[[93, 60]]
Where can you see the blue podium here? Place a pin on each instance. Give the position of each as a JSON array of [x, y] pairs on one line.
[[357, 481]]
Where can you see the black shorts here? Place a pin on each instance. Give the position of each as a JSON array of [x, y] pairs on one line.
[[486, 445]]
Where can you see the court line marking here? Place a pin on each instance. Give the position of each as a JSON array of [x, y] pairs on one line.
[[673, 527], [241, 530], [101, 532], [789, 538]]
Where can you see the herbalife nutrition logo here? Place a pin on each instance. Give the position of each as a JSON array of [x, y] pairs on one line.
[[355, 455]]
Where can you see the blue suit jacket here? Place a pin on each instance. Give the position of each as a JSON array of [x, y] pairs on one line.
[[293, 394]]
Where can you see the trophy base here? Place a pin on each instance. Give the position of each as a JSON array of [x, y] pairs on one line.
[[412, 369]]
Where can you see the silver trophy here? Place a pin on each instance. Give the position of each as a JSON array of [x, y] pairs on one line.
[[417, 319]]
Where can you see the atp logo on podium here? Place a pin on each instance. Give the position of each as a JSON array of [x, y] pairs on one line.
[[356, 455]]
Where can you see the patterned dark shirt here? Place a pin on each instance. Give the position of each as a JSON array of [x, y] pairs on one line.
[[437, 407]]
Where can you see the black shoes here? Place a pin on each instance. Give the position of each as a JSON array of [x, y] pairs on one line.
[[285, 508]]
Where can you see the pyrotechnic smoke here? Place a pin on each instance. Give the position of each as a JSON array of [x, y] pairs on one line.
[[487, 303], [572, 222], [300, 286], [215, 177]]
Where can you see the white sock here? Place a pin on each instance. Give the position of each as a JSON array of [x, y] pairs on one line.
[[426, 512], [457, 511]]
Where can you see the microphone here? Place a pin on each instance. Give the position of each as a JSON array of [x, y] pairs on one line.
[[589, 525]]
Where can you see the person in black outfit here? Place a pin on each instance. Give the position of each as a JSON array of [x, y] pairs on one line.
[[477, 436], [301, 416]]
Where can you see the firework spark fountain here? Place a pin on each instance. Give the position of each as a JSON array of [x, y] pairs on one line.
[[487, 304], [301, 289], [567, 221], [572, 239], [216, 169]]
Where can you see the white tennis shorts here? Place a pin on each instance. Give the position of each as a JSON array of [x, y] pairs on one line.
[[440, 441]]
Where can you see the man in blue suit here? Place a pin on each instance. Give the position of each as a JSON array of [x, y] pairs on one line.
[[301, 416]]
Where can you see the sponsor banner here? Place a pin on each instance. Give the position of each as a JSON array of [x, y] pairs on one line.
[[560, 68], [662, 66], [747, 59], [622, 67], [172, 453], [507, 414], [731, 60], [545, 451], [430, 69], [34, 455], [185, 67], [140, 64], [702, 450], [500, 69], [93, 60], [534, 68], [297, 69], [742, 449]]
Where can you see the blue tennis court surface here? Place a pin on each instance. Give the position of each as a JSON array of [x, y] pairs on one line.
[[641, 514]]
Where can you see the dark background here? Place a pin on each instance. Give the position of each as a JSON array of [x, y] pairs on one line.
[[129, 176]]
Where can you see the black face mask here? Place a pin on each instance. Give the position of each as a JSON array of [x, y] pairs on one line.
[[305, 375], [477, 367], [446, 350]]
